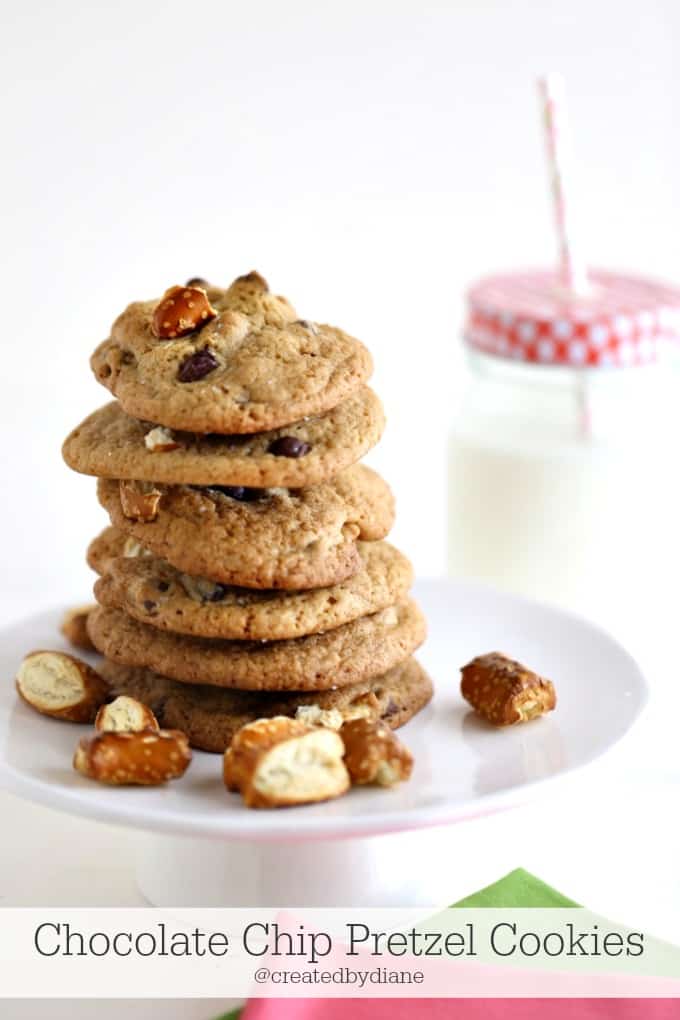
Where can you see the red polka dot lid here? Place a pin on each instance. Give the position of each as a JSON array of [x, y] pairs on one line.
[[622, 320]]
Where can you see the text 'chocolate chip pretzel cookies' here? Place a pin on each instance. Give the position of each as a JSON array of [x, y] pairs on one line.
[[245, 575]]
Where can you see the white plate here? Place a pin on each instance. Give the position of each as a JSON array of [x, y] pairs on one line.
[[463, 767]]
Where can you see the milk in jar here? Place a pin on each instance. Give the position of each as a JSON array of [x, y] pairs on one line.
[[563, 484]]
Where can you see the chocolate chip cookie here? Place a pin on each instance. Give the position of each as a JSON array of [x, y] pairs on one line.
[[111, 444], [351, 653], [232, 361], [257, 538], [211, 716], [108, 545], [154, 592]]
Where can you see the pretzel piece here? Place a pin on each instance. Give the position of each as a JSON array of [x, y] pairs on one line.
[[279, 762], [504, 691], [145, 758], [373, 755], [61, 686], [125, 715]]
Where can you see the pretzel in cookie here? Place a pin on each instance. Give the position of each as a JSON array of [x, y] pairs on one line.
[[139, 500], [365, 706]]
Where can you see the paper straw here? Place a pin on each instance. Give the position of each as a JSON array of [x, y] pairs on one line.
[[552, 92]]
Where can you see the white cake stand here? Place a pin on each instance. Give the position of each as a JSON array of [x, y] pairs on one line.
[[372, 847]]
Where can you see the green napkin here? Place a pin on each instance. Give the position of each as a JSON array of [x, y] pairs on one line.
[[518, 889]]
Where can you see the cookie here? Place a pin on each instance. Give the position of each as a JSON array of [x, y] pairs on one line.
[[152, 591], [110, 544], [210, 717], [357, 650], [262, 538], [252, 367], [111, 444]]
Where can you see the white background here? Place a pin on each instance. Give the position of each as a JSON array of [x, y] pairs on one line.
[[369, 158]]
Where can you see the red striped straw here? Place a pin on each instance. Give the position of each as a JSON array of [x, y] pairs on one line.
[[553, 100]]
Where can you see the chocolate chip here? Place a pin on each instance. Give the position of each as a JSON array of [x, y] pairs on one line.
[[149, 605], [391, 709], [289, 446], [197, 281], [239, 492], [197, 366], [163, 585], [218, 594]]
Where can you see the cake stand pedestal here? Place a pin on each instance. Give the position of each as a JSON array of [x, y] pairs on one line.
[[406, 869]]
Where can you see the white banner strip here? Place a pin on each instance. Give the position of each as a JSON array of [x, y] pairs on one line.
[[152, 953]]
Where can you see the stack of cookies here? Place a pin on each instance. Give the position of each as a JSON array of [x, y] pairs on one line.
[[245, 572]]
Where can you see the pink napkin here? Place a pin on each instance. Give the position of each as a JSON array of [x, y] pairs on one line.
[[462, 1009], [518, 889]]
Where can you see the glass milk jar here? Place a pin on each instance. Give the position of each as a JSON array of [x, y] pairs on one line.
[[564, 482]]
